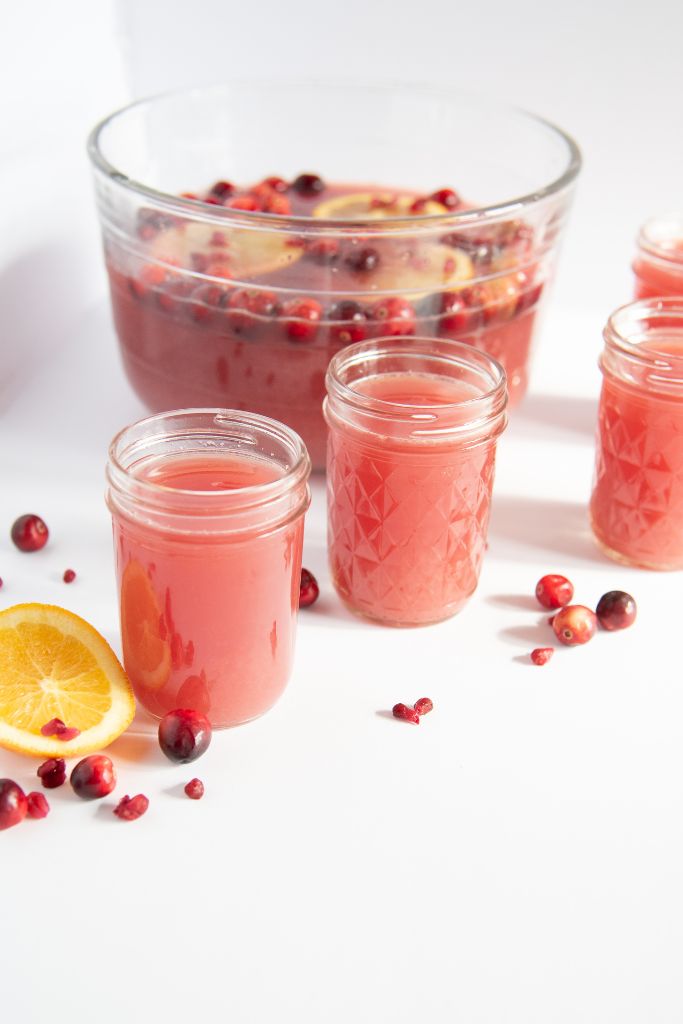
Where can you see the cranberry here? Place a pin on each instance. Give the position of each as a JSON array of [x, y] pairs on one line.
[[455, 314], [308, 589], [13, 804], [541, 655], [423, 706], [277, 204], [302, 318], [52, 773], [29, 533], [308, 185], [362, 261], [323, 252], [244, 305], [575, 624], [69, 576], [418, 205], [243, 203], [353, 325], [554, 591], [396, 316], [195, 789], [222, 189], [277, 184], [446, 197], [205, 299], [129, 808], [184, 735], [528, 298], [37, 806], [616, 610], [93, 777], [408, 714]]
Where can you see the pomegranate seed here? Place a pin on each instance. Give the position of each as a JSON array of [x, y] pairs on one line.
[[354, 322], [129, 808], [13, 804], [308, 185], [29, 533], [554, 591], [423, 706], [277, 184], [52, 773], [303, 316], [67, 734], [616, 610], [69, 576], [195, 789], [396, 316], [541, 655], [222, 189], [406, 713], [93, 777], [447, 197], [362, 261], [575, 624], [53, 727], [37, 806], [308, 589], [184, 735]]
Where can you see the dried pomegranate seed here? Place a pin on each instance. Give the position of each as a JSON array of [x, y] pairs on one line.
[[129, 808], [37, 806], [541, 655], [29, 533], [554, 591], [302, 318], [184, 735], [52, 773], [447, 197], [93, 777], [616, 610], [423, 706], [13, 804], [222, 189], [363, 260], [308, 589], [395, 315], [308, 185], [575, 624], [353, 324], [195, 789], [406, 713], [69, 576]]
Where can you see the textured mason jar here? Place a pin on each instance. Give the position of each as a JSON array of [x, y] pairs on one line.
[[413, 426], [637, 502], [658, 266], [208, 513]]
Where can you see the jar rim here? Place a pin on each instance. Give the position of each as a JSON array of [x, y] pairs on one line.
[[656, 234], [626, 334]]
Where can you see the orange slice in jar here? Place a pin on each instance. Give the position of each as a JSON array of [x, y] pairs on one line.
[[378, 205], [146, 650]]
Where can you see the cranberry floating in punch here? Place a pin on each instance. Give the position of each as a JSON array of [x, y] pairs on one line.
[[443, 220]]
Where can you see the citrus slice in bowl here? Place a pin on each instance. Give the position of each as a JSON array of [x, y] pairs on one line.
[[375, 206], [54, 664]]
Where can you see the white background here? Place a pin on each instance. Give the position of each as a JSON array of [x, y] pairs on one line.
[[517, 857]]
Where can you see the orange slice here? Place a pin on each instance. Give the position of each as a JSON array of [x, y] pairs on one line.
[[146, 652], [374, 206], [53, 664]]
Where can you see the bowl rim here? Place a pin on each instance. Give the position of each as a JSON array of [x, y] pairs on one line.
[[179, 204]]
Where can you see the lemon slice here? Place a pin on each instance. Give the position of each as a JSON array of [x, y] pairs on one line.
[[247, 252], [373, 206], [417, 270], [53, 664], [146, 653]]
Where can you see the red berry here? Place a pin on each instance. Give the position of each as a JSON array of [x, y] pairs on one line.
[[29, 533], [308, 589], [396, 316], [131, 807], [37, 806], [195, 789], [363, 260], [277, 184], [324, 252], [353, 322], [308, 185], [616, 610], [243, 203], [222, 189], [53, 727], [423, 706], [418, 205], [302, 318], [541, 655], [93, 777], [13, 804], [52, 773], [575, 624], [554, 591], [447, 197], [184, 735], [69, 576], [406, 713], [277, 204], [457, 315]]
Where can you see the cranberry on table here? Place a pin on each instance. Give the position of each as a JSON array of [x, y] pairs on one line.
[[37, 806], [29, 533], [184, 735], [93, 777], [554, 591], [616, 610], [575, 624], [69, 576], [52, 773], [308, 589], [308, 185], [13, 804]]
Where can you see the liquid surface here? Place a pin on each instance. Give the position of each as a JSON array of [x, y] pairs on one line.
[[221, 471], [420, 389]]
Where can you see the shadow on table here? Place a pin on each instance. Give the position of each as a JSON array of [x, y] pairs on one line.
[[523, 526]]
